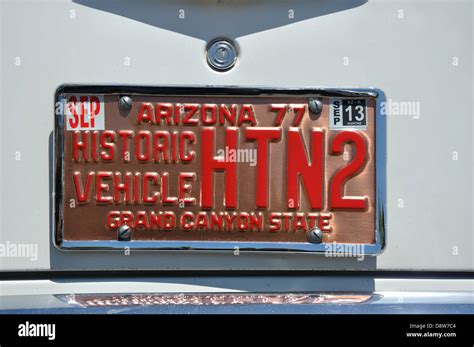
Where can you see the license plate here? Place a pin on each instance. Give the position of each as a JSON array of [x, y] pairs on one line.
[[203, 168]]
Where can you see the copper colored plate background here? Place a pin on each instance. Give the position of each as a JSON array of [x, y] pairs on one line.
[[87, 222]]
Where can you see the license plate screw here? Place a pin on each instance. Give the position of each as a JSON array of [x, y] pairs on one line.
[[315, 106], [315, 235], [125, 103], [124, 233]]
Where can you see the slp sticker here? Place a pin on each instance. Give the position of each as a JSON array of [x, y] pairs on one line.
[[84, 112], [347, 114]]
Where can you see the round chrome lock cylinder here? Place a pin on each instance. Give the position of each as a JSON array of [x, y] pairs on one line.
[[221, 54]]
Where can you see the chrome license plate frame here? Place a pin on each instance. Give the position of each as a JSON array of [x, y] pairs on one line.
[[63, 243]]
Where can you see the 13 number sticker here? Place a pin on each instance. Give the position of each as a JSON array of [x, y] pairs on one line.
[[347, 114]]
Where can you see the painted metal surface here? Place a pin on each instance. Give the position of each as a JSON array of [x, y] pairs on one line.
[[393, 45]]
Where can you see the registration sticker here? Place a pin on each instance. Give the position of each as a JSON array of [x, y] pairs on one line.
[[347, 114], [84, 112]]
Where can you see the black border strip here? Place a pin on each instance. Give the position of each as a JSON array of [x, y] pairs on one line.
[[39, 275]]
